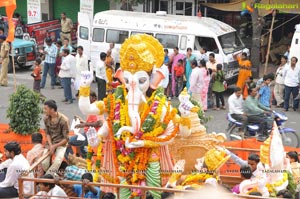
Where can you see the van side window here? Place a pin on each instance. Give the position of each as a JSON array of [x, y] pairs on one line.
[[116, 36], [98, 34], [168, 41], [296, 41], [207, 42], [84, 33], [148, 33], [183, 42]]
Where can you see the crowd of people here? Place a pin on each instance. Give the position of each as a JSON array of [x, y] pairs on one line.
[[53, 167], [252, 102]]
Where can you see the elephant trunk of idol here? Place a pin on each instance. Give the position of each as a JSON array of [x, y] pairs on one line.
[[134, 97]]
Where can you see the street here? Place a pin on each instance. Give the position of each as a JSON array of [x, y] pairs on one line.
[[218, 122]]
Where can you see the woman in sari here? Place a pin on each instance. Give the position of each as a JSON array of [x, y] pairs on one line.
[[188, 68], [245, 70], [206, 84]]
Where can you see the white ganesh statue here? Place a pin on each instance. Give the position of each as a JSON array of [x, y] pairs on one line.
[[133, 141]]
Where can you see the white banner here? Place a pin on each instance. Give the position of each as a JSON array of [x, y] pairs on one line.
[[87, 6], [34, 14]]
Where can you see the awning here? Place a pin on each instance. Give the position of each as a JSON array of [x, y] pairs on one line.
[[265, 7]]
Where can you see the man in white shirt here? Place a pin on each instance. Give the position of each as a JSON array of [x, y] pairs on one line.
[[49, 190], [18, 165], [235, 102], [212, 63], [66, 73], [101, 76], [196, 82], [291, 75], [81, 65]]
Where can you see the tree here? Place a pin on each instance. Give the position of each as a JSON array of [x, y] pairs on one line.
[[24, 111], [257, 24]]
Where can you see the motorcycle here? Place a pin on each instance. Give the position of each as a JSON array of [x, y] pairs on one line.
[[289, 136]]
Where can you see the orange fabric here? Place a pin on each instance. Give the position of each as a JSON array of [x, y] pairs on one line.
[[245, 92], [109, 76], [5, 3], [109, 72], [10, 6], [108, 61], [244, 73]]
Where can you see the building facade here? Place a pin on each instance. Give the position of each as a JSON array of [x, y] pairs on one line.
[[51, 9]]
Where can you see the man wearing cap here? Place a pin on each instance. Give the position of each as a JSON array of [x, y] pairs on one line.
[[4, 60], [66, 27]]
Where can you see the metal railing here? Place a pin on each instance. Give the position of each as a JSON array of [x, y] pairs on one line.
[[143, 189]]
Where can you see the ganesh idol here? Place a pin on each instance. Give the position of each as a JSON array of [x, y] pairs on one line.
[[138, 128]]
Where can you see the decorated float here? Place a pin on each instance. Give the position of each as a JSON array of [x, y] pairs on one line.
[[144, 141], [132, 144]]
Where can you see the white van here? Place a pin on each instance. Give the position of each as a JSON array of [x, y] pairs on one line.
[[171, 30], [295, 45]]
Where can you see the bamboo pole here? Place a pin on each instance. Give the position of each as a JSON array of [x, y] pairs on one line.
[[14, 71], [270, 40]]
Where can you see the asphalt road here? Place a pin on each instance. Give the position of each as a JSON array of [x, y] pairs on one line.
[[218, 122]]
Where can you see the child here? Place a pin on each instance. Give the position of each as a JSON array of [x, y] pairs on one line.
[[179, 71], [36, 74], [264, 94]]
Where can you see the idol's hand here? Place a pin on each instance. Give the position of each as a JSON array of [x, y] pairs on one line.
[[87, 77], [135, 144]]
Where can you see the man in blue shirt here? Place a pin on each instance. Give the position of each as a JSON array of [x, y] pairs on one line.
[[265, 91], [50, 53], [90, 191]]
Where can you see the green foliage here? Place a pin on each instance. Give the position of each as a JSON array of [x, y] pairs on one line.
[[24, 111], [149, 123], [292, 185], [116, 127]]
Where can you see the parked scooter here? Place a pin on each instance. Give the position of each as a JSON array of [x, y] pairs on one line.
[[288, 135]]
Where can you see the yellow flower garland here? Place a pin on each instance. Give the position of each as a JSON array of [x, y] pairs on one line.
[[196, 178], [89, 161], [99, 158]]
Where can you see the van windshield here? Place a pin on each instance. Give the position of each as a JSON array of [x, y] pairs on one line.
[[231, 43]]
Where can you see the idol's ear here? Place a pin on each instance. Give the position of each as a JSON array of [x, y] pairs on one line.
[[157, 77], [120, 75]]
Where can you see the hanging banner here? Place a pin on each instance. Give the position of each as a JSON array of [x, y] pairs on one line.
[[87, 6], [34, 11]]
